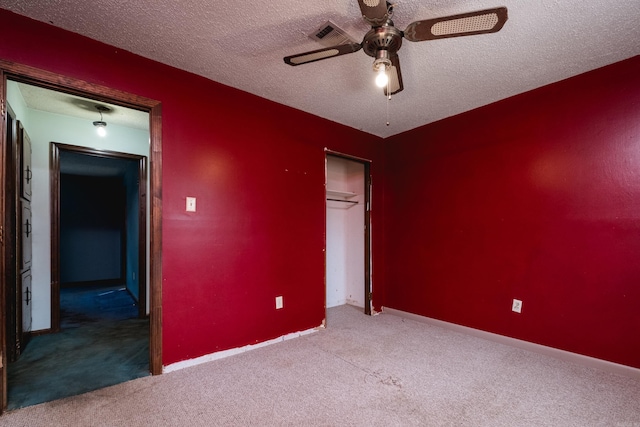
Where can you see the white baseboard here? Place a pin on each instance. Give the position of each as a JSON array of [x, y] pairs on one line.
[[567, 356], [233, 351]]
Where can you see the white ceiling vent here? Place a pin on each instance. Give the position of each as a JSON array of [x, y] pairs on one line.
[[329, 34]]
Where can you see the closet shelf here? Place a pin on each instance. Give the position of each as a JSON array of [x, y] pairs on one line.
[[341, 196], [337, 193], [353, 202]]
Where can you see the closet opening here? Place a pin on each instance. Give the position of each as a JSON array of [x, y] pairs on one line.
[[348, 232]]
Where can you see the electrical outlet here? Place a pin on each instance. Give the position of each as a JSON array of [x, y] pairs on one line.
[[279, 303], [191, 204], [516, 306]]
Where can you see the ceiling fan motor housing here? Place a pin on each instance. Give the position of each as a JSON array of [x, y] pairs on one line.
[[386, 37]]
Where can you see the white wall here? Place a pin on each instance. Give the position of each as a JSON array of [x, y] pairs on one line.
[[345, 234], [15, 100], [44, 128]]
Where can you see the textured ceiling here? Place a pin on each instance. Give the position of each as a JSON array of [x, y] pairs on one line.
[[241, 44]]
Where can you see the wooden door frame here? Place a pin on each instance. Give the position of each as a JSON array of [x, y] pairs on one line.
[[54, 180], [10, 226], [37, 77], [367, 224]]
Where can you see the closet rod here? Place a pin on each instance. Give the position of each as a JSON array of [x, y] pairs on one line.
[[344, 201]]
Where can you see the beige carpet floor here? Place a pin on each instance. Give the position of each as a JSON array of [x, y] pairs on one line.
[[360, 371]]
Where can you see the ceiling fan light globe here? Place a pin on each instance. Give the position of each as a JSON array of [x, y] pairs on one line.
[[382, 79]]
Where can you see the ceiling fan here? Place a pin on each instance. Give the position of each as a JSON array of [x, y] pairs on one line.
[[383, 40]]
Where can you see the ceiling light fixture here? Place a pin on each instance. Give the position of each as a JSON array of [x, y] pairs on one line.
[[381, 78], [380, 66], [101, 126]]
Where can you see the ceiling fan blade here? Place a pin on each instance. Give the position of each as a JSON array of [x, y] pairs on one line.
[[317, 55], [465, 24], [374, 11], [395, 77]]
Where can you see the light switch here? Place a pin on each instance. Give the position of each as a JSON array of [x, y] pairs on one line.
[[191, 204]]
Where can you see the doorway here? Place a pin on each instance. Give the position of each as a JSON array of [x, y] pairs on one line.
[[348, 238], [64, 84], [98, 220]]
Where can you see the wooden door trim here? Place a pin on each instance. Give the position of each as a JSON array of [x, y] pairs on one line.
[[62, 83], [3, 267], [367, 238], [346, 156], [5, 237], [142, 237], [54, 178]]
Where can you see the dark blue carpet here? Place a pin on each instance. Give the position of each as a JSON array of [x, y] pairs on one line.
[[87, 305], [102, 343]]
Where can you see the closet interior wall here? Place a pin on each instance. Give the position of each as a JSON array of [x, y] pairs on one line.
[[345, 266]]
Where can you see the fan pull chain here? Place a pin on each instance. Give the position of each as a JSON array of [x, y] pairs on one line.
[[388, 100], [388, 111]]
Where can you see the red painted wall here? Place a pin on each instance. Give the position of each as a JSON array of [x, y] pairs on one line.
[[536, 197], [257, 170]]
